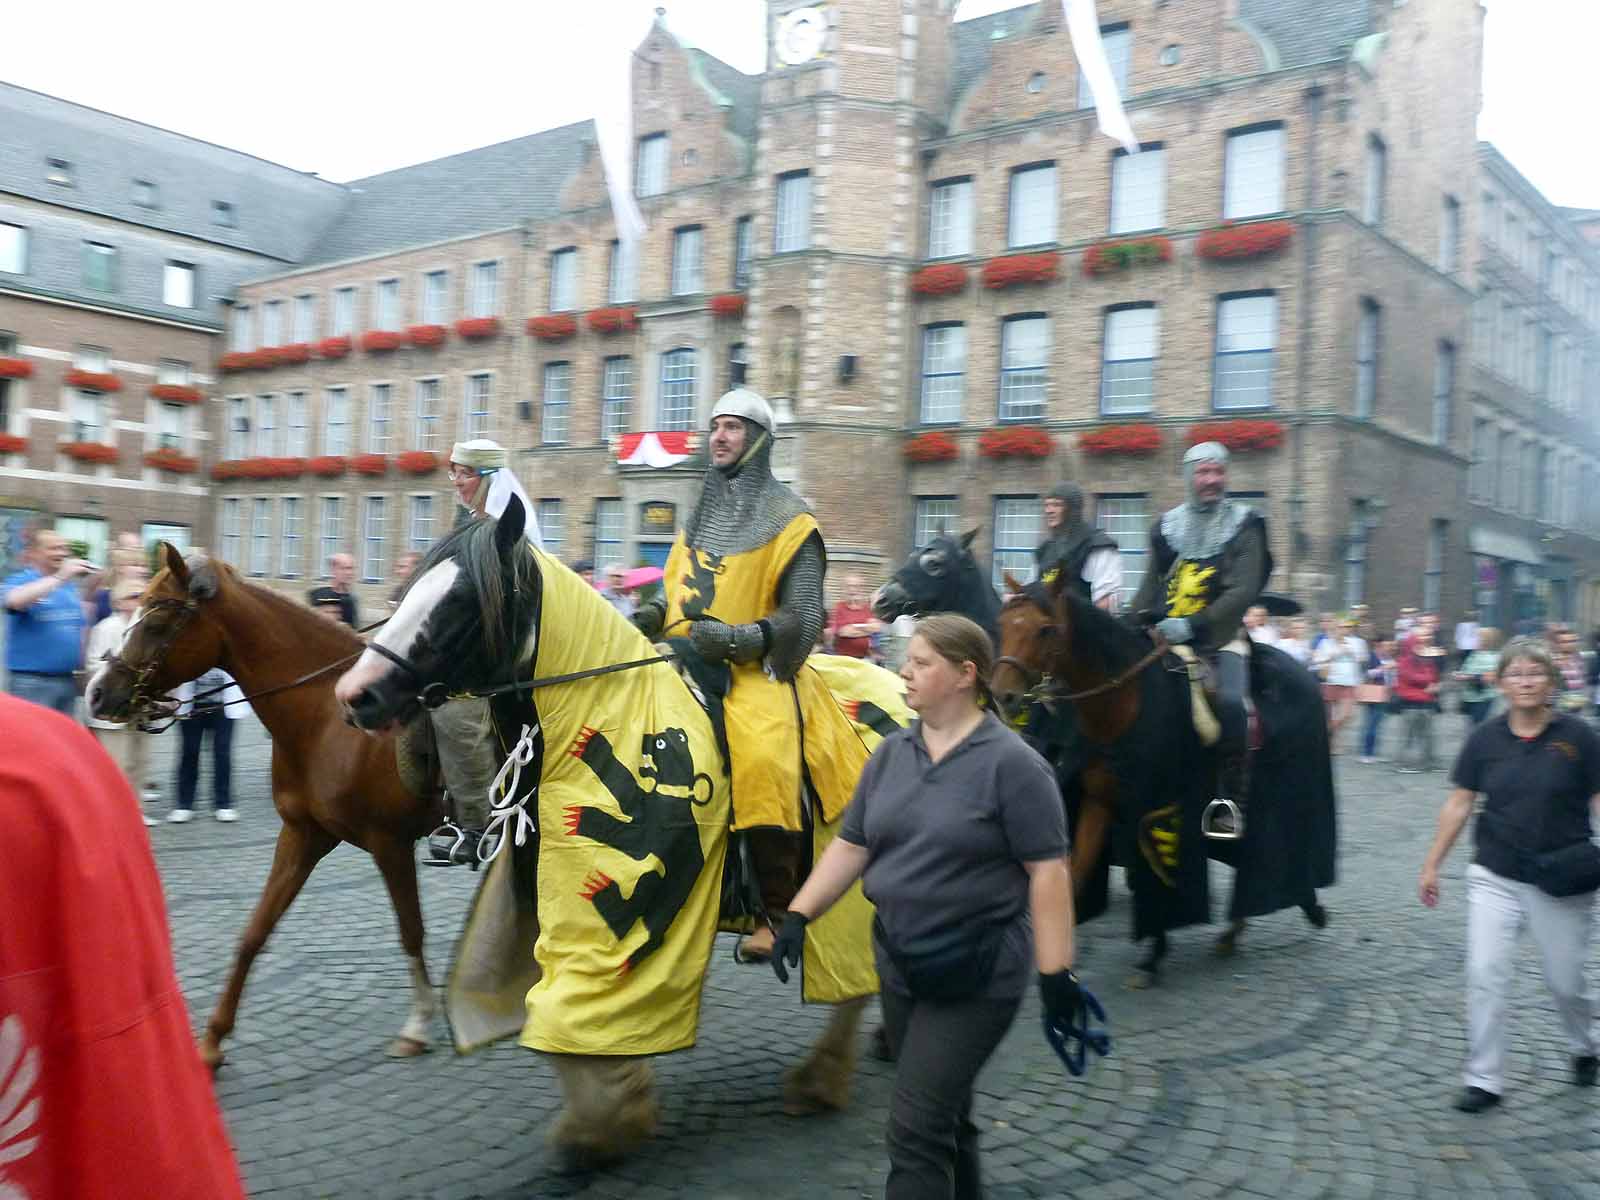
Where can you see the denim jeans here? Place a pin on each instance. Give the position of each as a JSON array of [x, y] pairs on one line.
[[1371, 721], [192, 730], [59, 692]]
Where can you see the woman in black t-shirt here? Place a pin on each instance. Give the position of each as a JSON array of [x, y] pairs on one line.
[[1539, 774], [958, 834]]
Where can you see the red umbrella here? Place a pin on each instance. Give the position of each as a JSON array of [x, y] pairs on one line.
[[641, 577]]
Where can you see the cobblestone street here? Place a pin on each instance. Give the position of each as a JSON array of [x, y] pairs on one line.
[[1312, 1064]]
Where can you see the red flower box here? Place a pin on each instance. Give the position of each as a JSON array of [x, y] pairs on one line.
[[1119, 256], [1015, 441], [172, 462], [729, 305], [612, 320], [228, 469], [1231, 242], [933, 446], [90, 452], [10, 443], [175, 393], [426, 336], [15, 368], [1241, 436], [333, 347], [94, 381], [245, 360], [941, 279], [475, 329], [1012, 269], [381, 341], [293, 354], [417, 462], [370, 464], [327, 466], [1121, 439], [553, 328], [268, 468]]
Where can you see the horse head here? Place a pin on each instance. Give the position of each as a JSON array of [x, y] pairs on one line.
[[943, 576], [170, 640], [465, 621], [1030, 623]]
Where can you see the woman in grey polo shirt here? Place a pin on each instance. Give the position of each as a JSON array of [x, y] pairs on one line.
[[958, 834]]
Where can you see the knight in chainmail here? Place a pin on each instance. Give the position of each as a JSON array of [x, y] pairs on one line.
[[744, 583], [1074, 552], [1208, 563]]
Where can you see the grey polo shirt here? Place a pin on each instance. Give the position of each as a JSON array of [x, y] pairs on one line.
[[946, 841]]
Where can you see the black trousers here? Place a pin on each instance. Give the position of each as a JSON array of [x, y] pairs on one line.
[[938, 1051], [1233, 685], [192, 730]]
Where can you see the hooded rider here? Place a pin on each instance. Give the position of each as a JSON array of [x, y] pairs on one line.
[[480, 472], [1208, 563], [744, 583], [1086, 557]]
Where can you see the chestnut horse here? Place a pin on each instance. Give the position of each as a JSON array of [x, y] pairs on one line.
[[330, 783]]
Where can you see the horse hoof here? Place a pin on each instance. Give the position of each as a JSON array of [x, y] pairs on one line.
[[1141, 980], [1226, 946], [404, 1047], [1316, 914]]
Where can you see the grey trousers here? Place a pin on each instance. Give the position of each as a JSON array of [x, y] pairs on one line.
[[938, 1050], [1418, 726], [469, 756], [1497, 909], [59, 692]]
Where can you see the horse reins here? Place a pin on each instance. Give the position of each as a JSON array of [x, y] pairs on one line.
[[1032, 679]]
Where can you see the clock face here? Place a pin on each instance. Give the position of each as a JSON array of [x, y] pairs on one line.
[[800, 35]]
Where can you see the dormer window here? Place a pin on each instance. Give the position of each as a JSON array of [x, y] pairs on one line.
[[145, 194], [222, 214], [59, 172]]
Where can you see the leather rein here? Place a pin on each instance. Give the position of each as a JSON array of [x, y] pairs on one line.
[[1041, 685]]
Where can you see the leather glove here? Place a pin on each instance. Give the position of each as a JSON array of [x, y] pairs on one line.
[[1175, 629], [1063, 999], [648, 620], [789, 944], [712, 640]]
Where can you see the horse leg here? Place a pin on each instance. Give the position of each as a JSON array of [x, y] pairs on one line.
[[610, 1109], [1147, 971], [300, 848], [1315, 913], [1229, 941], [1095, 810], [821, 1083], [397, 862]]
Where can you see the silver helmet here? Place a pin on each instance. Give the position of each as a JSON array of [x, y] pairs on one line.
[[752, 406], [1213, 452]]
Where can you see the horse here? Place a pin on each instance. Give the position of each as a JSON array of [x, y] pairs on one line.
[[1128, 758], [619, 878], [941, 577], [330, 783]]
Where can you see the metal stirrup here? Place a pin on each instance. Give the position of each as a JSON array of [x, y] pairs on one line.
[[1208, 820]]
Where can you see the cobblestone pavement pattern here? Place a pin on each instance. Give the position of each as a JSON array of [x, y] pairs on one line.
[[1309, 1065]]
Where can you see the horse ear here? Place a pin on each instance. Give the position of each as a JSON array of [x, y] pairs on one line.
[[508, 530], [203, 580], [175, 564], [1013, 584], [967, 539]]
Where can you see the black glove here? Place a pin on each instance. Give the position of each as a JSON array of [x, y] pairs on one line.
[[712, 640], [1063, 998], [648, 620], [790, 942]]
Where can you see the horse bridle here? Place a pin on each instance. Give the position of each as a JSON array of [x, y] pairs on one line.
[[141, 698], [1042, 687]]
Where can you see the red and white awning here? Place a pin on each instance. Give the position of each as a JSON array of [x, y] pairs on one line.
[[666, 448]]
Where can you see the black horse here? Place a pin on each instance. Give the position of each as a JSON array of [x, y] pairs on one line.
[[941, 577]]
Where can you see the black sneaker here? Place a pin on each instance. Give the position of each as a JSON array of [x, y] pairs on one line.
[[1476, 1100], [1585, 1070]]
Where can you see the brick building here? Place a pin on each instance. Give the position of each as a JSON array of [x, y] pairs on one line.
[[910, 226]]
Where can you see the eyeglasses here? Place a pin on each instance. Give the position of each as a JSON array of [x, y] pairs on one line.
[[1530, 676], [456, 474]]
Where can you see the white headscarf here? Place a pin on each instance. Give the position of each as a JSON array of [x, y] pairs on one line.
[[497, 482]]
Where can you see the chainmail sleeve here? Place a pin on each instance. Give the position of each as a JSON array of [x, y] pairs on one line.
[[797, 621]]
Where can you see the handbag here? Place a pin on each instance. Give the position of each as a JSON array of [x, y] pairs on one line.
[[953, 964], [1569, 871], [1371, 693]]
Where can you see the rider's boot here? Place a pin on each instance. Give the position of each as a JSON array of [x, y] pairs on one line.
[[453, 844]]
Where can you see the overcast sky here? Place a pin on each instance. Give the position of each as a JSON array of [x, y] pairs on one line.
[[349, 88]]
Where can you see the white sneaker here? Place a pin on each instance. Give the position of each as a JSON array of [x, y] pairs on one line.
[[180, 815], [227, 814], [151, 793], [149, 820]]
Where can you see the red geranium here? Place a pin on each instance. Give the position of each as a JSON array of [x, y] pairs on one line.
[[475, 329], [427, 335], [1121, 439], [1242, 435], [941, 279], [268, 468], [1119, 256], [1230, 241], [370, 464], [381, 341], [15, 368], [1015, 441], [10, 443], [244, 360], [1012, 269], [292, 354], [172, 462], [90, 452], [730, 304], [94, 381], [327, 466], [417, 462], [554, 327], [611, 320], [933, 446], [228, 469], [333, 347], [175, 393]]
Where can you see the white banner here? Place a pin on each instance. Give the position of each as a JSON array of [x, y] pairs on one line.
[[1083, 26]]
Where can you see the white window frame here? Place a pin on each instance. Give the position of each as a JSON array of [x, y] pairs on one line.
[[260, 537], [1369, 344], [1018, 525], [1450, 235], [342, 320], [556, 404], [610, 533], [950, 218], [241, 329], [1228, 361], [931, 516], [13, 249], [1444, 391], [552, 525], [272, 323], [305, 319], [435, 305], [744, 245], [1139, 190], [336, 433], [564, 279], [373, 557], [291, 537], [104, 254], [1118, 41], [427, 409], [1375, 191], [1031, 206], [616, 397], [420, 522], [1129, 348], [380, 416], [652, 165], [296, 425], [1253, 173], [330, 531], [1024, 372], [475, 422], [678, 386], [622, 272], [1125, 518], [484, 300], [791, 231], [688, 242], [177, 284], [386, 305], [236, 430], [944, 358], [264, 433], [228, 524]]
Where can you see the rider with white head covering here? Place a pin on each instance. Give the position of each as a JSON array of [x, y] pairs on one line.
[[1208, 563], [480, 471]]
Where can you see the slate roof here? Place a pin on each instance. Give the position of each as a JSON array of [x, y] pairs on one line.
[[744, 90]]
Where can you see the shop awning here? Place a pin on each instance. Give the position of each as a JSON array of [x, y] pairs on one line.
[[1496, 544]]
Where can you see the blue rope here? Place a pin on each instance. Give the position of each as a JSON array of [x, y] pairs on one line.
[[1063, 1034]]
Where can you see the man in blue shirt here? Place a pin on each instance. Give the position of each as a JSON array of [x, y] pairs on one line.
[[44, 624]]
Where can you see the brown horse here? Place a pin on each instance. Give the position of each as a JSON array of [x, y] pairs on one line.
[[330, 783]]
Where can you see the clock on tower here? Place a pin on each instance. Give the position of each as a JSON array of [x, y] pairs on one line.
[[800, 35]]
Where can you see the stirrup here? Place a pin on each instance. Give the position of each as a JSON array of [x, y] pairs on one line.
[[452, 846], [1222, 806]]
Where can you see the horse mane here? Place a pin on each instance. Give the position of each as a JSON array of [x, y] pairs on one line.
[[472, 546], [305, 620], [1098, 639], [984, 604]]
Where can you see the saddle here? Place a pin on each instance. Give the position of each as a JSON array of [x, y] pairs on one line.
[[416, 757]]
